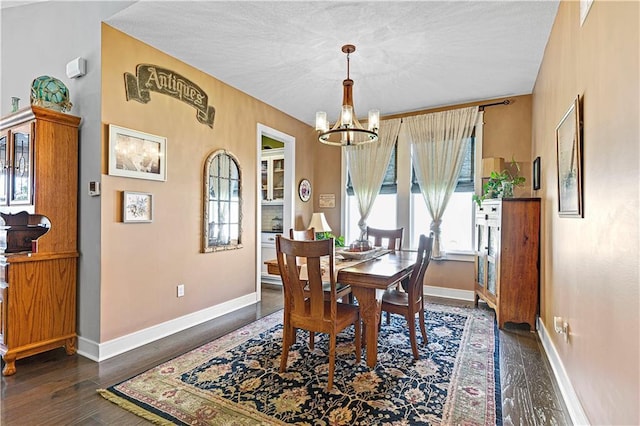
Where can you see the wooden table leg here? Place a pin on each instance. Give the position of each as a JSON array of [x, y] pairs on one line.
[[370, 314]]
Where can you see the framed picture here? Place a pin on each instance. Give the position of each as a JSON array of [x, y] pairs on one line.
[[137, 154], [536, 173], [137, 207], [569, 151], [304, 190]]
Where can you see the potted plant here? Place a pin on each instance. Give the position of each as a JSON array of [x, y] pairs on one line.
[[501, 184]]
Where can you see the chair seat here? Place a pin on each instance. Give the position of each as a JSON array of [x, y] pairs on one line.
[[395, 297], [346, 313], [341, 289]]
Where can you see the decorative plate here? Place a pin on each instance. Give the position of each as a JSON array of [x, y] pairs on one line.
[[304, 190]]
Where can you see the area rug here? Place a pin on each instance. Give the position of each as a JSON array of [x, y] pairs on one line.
[[235, 380]]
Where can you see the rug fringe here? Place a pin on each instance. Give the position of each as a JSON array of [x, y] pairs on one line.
[[133, 408]]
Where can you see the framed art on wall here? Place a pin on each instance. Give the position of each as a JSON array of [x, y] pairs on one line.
[[569, 152], [304, 190], [137, 207], [536, 173], [137, 154]]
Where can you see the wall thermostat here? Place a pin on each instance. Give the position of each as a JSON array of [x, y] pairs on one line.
[[94, 189]]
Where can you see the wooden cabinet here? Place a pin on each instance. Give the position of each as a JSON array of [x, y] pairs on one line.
[[272, 176], [507, 258], [38, 189]]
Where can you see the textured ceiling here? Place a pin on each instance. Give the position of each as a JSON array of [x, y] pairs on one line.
[[410, 55]]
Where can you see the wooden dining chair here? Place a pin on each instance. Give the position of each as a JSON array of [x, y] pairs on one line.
[[307, 308], [393, 240], [392, 237], [342, 290], [411, 302], [303, 234]]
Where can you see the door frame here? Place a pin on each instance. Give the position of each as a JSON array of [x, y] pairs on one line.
[[289, 190]]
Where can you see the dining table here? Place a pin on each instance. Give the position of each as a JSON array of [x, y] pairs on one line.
[[369, 278]]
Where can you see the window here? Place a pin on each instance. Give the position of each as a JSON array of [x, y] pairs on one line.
[[400, 203], [222, 203], [456, 230], [384, 208]]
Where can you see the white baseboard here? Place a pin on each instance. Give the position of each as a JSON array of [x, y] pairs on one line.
[[101, 351], [569, 395], [449, 293]]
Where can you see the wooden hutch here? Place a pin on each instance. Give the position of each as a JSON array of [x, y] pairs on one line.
[[508, 257], [38, 233]]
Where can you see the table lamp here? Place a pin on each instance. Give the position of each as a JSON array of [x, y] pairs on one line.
[[319, 222]]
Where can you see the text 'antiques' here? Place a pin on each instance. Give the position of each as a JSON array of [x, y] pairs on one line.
[[153, 78]]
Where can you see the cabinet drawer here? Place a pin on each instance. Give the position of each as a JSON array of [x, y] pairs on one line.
[[269, 239], [489, 211]]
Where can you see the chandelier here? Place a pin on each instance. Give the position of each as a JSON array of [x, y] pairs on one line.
[[347, 130]]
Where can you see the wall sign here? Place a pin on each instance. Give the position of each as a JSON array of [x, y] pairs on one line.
[[157, 79], [327, 201]]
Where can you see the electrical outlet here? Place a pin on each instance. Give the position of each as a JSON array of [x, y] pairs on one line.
[[557, 324], [565, 331], [180, 290], [561, 327]]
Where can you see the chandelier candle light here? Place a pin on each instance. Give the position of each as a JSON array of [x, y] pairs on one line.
[[347, 130]]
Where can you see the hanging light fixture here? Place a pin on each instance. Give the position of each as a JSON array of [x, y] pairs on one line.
[[347, 130]]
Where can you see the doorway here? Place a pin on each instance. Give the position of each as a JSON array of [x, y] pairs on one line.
[[288, 208]]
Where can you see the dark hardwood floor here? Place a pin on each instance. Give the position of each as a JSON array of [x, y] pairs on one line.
[[56, 389]]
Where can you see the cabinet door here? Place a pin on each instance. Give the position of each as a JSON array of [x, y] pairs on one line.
[[493, 249], [481, 256], [4, 308], [278, 179], [21, 175], [3, 313], [268, 253], [264, 176], [4, 168]]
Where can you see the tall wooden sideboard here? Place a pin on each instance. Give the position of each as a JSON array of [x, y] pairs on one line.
[[507, 258], [38, 233]]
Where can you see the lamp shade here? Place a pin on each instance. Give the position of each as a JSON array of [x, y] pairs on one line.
[[319, 222]]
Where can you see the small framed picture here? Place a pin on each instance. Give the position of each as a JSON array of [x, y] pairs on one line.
[[137, 207], [536, 173], [304, 190], [137, 154]]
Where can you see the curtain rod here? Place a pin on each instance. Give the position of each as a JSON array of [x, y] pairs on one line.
[[480, 108], [505, 102]]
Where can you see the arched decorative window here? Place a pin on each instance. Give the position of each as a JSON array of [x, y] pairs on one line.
[[222, 228]]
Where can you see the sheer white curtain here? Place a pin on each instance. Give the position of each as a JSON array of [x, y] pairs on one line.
[[367, 165], [438, 143]]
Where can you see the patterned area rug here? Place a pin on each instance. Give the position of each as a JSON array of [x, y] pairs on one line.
[[234, 380]]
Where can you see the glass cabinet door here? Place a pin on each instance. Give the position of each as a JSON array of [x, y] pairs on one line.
[[492, 252], [4, 160], [481, 253], [264, 182], [21, 165], [278, 179]]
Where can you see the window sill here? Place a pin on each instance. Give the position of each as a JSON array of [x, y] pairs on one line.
[[459, 256]]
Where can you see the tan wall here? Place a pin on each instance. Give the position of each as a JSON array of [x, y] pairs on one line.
[[590, 265], [507, 134], [328, 175], [450, 274], [143, 263]]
